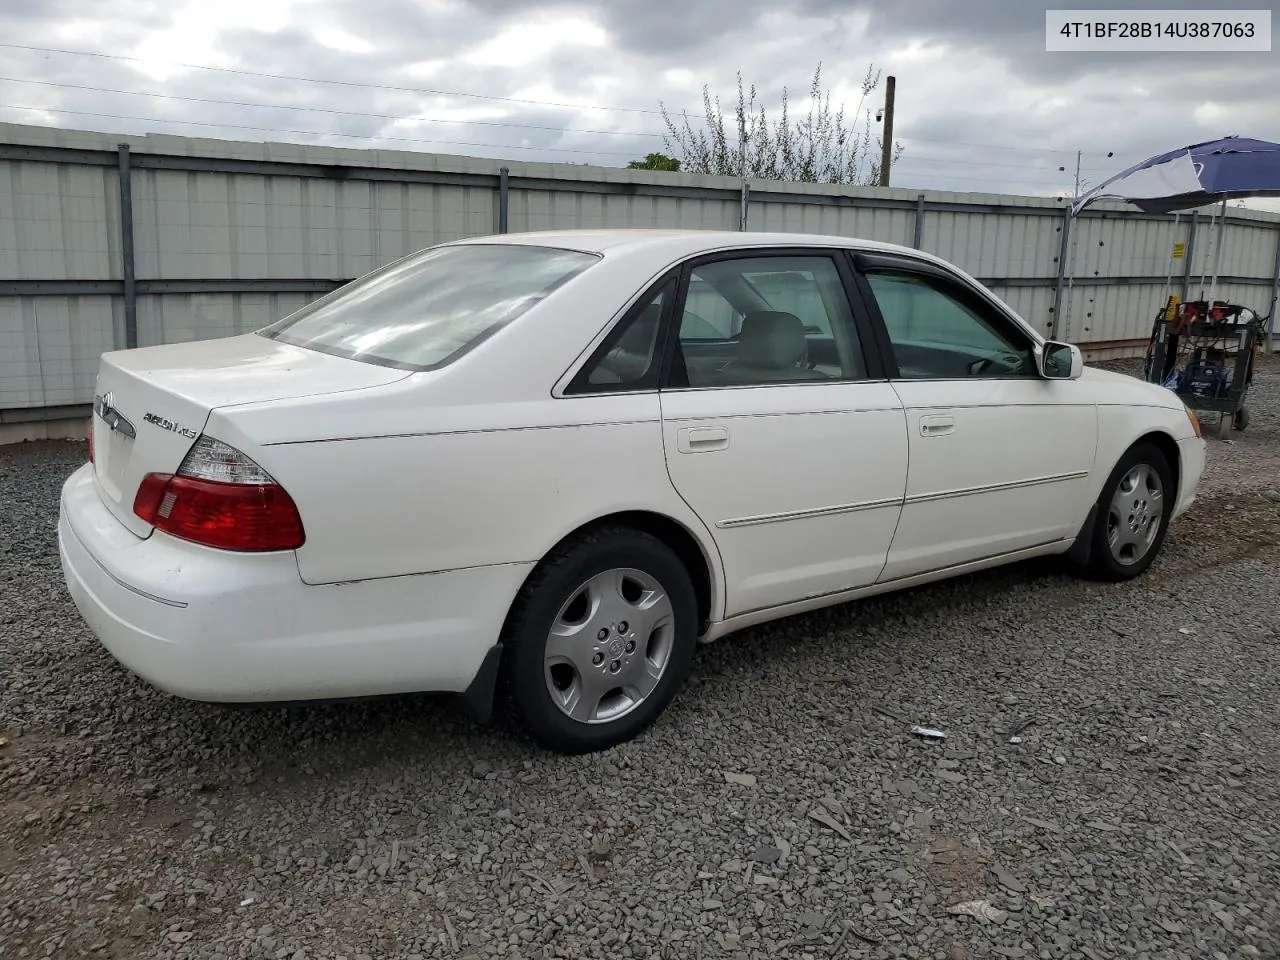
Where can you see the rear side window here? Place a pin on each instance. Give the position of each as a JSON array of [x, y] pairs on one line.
[[423, 311]]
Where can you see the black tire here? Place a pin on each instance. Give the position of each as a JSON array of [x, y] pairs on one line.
[[555, 583], [1103, 565], [1242, 419]]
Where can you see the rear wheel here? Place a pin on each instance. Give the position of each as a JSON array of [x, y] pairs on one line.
[[600, 640], [1132, 515]]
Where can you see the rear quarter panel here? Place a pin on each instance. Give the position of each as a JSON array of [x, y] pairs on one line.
[[486, 484], [478, 462]]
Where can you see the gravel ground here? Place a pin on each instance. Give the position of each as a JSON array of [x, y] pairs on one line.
[[781, 808]]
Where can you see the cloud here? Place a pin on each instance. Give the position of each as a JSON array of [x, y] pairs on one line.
[[981, 105]]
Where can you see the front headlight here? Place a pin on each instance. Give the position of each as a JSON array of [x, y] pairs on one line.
[[1195, 420]]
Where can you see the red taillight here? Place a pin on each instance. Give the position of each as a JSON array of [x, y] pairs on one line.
[[220, 498], [232, 516]]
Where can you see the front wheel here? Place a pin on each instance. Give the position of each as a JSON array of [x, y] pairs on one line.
[[1133, 515], [600, 640]]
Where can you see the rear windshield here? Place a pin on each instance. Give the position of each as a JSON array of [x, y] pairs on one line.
[[423, 311]]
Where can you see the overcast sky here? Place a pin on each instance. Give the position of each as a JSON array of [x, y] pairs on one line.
[[980, 104]]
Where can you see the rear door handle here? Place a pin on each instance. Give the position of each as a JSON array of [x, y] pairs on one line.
[[702, 439], [937, 426]]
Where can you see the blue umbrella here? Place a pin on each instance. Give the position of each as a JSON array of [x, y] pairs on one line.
[[1194, 176]]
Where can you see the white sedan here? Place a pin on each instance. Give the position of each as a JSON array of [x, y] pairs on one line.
[[541, 468]]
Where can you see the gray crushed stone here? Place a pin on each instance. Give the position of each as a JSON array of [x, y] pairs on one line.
[[1135, 817]]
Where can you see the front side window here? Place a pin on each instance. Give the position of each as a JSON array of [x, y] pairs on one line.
[[425, 310], [937, 335], [767, 319]]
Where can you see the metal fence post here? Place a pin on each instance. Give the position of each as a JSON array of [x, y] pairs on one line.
[[1191, 253], [504, 198], [918, 237], [746, 202], [1275, 296], [126, 249], [1058, 331]]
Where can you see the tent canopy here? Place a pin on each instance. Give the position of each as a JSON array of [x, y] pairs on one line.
[[1194, 176]]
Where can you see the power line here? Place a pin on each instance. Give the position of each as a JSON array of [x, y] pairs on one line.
[[330, 110], [469, 143], [423, 90], [908, 159], [996, 179], [460, 93], [990, 181], [493, 146], [981, 146], [314, 133], [342, 83], [472, 143]]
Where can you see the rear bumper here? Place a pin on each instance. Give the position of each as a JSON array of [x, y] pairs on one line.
[[1191, 454], [239, 628]]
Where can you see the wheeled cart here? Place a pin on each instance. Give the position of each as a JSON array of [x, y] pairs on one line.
[[1204, 351]]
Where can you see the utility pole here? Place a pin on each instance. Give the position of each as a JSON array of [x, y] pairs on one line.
[[886, 156], [1079, 182]]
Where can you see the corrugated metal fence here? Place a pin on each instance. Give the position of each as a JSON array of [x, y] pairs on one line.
[[109, 241]]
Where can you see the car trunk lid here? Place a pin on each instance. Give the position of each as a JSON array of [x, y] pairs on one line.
[[151, 404]]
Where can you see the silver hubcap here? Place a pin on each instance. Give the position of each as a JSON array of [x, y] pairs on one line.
[[1135, 515], [609, 646]]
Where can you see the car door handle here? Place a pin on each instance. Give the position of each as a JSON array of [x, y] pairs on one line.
[[702, 439], [936, 426]]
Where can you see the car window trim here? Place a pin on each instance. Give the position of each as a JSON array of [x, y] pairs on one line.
[[577, 384], [671, 332], [871, 360], [970, 295], [871, 335]]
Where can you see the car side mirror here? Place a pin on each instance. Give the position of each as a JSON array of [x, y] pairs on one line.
[[1060, 361]]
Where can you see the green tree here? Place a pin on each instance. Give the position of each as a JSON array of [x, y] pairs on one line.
[[820, 147], [656, 161]]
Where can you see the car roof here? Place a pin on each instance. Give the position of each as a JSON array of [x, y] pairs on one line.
[[686, 242]]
